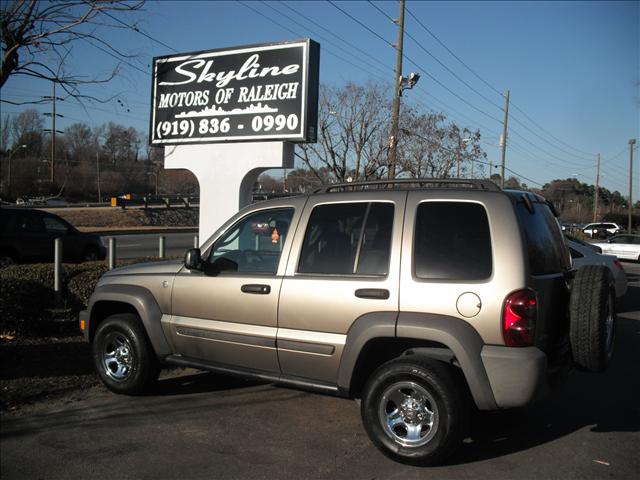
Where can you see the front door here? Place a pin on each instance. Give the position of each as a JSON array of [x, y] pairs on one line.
[[227, 314]]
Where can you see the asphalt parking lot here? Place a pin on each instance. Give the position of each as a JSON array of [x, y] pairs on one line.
[[201, 425]]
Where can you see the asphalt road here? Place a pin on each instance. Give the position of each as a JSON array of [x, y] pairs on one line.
[[147, 245], [201, 425]]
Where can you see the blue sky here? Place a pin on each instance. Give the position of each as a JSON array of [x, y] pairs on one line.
[[572, 67]]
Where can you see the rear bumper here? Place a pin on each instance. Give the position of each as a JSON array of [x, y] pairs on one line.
[[517, 375]]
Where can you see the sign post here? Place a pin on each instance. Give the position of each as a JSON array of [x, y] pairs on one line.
[[228, 115]]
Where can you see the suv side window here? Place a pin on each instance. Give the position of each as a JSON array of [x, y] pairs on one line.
[[53, 225], [452, 241], [336, 242], [30, 224], [254, 244], [543, 236]]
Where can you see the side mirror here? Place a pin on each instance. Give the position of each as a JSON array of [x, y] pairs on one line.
[[192, 259]]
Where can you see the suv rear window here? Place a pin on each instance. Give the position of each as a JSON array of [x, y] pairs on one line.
[[543, 236], [336, 242], [452, 241]]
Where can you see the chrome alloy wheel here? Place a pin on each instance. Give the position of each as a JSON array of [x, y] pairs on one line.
[[117, 356], [408, 414]]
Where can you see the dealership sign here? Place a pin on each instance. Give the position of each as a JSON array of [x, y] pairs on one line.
[[258, 92]]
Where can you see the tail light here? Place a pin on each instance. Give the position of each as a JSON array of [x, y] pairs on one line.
[[519, 318], [618, 265]]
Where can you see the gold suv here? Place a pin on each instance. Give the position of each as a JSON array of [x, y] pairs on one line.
[[416, 296]]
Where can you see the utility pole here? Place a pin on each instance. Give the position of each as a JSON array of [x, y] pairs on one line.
[[397, 92], [632, 142], [597, 192], [504, 137], [459, 153], [53, 133], [98, 169], [53, 114]]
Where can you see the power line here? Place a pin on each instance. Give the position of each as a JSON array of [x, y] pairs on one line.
[[362, 25], [547, 132], [453, 54], [514, 132], [455, 75], [300, 35], [120, 59], [495, 89], [363, 52], [140, 31], [417, 65], [323, 37]]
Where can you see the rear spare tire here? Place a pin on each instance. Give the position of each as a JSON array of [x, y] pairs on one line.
[[592, 318]]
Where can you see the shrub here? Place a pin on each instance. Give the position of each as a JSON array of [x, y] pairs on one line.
[[27, 297], [26, 292]]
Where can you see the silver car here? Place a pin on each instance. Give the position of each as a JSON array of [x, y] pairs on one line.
[[626, 247], [582, 255]]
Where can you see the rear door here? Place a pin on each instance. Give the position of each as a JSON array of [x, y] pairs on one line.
[[459, 261], [343, 265]]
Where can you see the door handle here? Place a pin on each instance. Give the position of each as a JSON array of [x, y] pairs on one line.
[[374, 293], [256, 289]]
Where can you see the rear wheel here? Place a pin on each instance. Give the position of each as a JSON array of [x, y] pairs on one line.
[[593, 318], [123, 355], [413, 410]]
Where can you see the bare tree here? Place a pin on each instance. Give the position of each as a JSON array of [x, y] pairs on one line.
[[5, 132], [352, 130], [37, 37], [431, 147], [26, 129]]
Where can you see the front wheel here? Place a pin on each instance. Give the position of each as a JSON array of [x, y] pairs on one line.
[[123, 355], [413, 410]]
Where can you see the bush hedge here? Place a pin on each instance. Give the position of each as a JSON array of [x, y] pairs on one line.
[[27, 297]]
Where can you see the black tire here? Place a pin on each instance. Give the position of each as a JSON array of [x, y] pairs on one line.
[[91, 254], [7, 259], [123, 355], [428, 388], [593, 318]]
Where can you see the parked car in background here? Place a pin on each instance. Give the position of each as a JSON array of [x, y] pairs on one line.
[[603, 229], [583, 254], [27, 236], [626, 246]]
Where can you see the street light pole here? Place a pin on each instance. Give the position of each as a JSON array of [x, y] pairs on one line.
[[632, 142], [9, 170], [98, 169]]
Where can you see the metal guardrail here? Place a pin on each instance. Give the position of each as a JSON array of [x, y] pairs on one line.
[[111, 258]]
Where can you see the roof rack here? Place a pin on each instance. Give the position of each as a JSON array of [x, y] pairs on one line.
[[421, 182]]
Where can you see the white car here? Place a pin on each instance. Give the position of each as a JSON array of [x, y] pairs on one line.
[[610, 228], [582, 255], [626, 247]]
